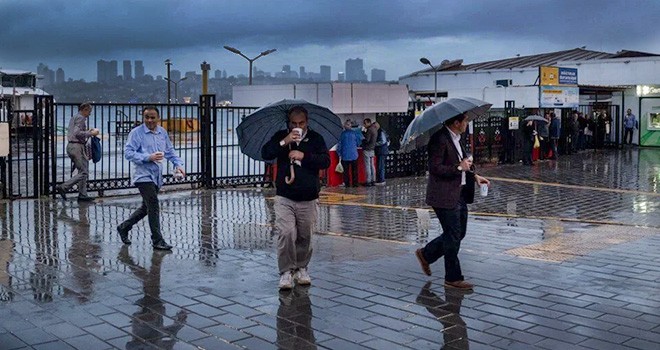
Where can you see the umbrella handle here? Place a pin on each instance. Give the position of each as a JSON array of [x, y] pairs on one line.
[[289, 180]]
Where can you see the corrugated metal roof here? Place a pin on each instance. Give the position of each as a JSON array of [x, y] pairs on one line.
[[534, 61]]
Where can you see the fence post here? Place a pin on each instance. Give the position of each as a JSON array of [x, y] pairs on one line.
[[207, 116]]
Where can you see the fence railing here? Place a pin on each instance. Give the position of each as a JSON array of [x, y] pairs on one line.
[[204, 136]]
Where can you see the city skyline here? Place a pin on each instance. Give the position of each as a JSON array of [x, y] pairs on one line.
[[390, 35], [109, 70]]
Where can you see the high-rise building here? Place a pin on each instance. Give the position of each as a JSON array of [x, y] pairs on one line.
[[106, 71], [217, 74], [128, 72], [59, 76], [47, 74], [341, 77], [355, 70], [139, 70], [326, 75], [377, 75], [303, 75], [175, 75]]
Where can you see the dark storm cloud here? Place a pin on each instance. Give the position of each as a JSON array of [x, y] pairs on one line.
[[61, 28]]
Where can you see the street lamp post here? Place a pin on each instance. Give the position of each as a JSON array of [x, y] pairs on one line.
[[425, 60], [168, 63], [176, 87], [238, 52]]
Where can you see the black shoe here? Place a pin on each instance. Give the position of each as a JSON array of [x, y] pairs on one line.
[[85, 199], [61, 191], [162, 245], [124, 236]]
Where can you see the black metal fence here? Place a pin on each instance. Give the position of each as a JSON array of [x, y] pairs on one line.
[[204, 136]]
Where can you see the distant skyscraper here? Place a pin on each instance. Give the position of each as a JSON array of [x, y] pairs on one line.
[[286, 68], [224, 74], [47, 74], [326, 75], [217, 74], [377, 75], [355, 70], [128, 72], [106, 71], [175, 75], [303, 75], [59, 76], [341, 77], [139, 70]]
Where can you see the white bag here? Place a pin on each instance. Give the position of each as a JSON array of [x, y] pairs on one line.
[[339, 168]]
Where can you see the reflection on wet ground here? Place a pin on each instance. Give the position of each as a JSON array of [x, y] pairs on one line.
[[563, 254]]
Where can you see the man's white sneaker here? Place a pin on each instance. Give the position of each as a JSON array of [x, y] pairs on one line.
[[286, 281], [302, 277]]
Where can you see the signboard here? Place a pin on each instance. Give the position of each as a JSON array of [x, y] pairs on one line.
[[513, 123], [559, 96], [4, 139], [558, 76]]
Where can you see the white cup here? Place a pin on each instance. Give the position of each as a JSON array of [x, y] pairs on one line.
[[160, 153], [484, 190], [299, 131], [178, 175]]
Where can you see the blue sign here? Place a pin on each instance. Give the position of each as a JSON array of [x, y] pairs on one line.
[[568, 76]]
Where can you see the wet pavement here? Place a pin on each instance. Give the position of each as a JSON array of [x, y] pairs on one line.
[[564, 255]]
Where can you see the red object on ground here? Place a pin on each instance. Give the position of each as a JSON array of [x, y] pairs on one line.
[[336, 179]]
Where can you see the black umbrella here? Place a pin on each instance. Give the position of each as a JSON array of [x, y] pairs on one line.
[[421, 129], [258, 128]]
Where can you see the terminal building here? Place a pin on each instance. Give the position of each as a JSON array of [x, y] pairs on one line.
[[576, 79]]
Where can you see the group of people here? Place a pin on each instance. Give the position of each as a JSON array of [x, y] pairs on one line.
[[148, 146], [451, 184], [374, 142], [579, 131]]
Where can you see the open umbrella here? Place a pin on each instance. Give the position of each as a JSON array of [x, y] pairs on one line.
[[258, 128], [421, 129], [537, 118]]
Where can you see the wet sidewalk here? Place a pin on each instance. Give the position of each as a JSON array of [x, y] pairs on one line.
[[564, 255]]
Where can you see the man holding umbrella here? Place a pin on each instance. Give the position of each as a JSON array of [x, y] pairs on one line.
[[302, 152], [451, 180]]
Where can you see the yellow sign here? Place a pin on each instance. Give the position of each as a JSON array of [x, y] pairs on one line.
[[549, 75]]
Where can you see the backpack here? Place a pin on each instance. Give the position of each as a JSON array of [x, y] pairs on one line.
[[95, 143], [383, 139]]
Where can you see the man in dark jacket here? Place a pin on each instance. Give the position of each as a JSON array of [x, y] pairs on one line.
[[296, 202], [450, 188], [368, 150], [555, 133]]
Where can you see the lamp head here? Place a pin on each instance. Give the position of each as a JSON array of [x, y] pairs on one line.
[[234, 50], [425, 60], [184, 78], [268, 52]]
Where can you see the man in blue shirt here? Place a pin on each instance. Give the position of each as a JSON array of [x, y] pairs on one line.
[[148, 145], [629, 125]]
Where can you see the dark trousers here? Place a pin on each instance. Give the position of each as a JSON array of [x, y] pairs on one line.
[[528, 148], [627, 135], [545, 143], [350, 172], [150, 208], [380, 167], [454, 226]]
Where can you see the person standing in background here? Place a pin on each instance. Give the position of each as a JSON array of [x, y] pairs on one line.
[[368, 151], [629, 126], [382, 142], [347, 149], [78, 134]]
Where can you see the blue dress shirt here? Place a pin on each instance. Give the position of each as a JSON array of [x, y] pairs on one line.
[[142, 142]]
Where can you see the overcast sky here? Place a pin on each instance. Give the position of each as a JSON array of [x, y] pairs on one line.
[[387, 34]]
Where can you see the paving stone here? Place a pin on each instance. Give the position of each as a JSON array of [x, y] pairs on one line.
[[367, 283]]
